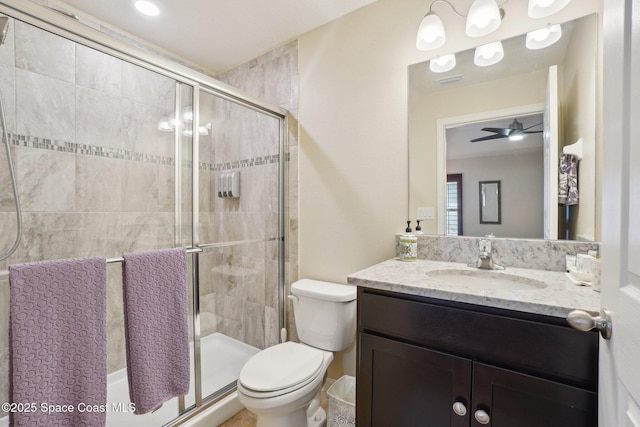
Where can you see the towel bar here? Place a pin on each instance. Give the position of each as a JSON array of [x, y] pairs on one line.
[[5, 273]]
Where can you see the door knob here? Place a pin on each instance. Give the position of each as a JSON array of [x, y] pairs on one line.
[[583, 321], [460, 409], [482, 417]]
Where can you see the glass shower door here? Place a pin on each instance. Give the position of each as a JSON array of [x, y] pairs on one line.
[[240, 233]]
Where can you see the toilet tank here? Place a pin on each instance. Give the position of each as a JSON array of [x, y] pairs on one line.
[[325, 313]]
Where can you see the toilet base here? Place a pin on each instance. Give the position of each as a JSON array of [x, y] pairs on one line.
[[311, 415], [298, 408]]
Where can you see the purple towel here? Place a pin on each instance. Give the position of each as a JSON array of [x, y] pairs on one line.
[[156, 326], [58, 342]]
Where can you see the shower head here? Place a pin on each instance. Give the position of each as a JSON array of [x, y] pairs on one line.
[[4, 29]]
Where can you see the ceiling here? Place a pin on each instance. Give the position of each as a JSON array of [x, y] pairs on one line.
[[216, 34]]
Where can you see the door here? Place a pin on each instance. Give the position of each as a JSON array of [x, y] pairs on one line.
[[404, 385], [619, 392], [506, 398]]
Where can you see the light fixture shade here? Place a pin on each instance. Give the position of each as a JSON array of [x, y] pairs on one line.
[[488, 54], [430, 33], [164, 126], [544, 37], [543, 8], [484, 18], [187, 114], [442, 64]]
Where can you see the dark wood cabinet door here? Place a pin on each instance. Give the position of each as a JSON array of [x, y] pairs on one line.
[[403, 385], [513, 399]]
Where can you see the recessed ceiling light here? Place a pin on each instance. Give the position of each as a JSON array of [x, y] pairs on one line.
[[147, 8]]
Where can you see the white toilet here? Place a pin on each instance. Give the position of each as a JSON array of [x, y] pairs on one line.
[[282, 384]]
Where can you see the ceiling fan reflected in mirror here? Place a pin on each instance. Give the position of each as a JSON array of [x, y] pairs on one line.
[[515, 132]]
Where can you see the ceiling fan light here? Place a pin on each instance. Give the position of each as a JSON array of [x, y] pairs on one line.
[[516, 137], [430, 33], [442, 64], [488, 54], [544, 8], [544, 37], [484, 18]]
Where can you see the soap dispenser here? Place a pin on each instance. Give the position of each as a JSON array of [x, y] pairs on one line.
[[408, 245]]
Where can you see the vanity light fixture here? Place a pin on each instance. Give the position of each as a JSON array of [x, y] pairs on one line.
[[488, 54], [164, 125], [442, 64], [483, 18], [544, 8], [169, 124], [544, 37], [147, 8], [430, 32]]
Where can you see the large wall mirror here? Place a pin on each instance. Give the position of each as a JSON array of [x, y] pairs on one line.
[[462, 128]]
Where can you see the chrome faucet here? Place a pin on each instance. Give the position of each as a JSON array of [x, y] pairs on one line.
[[485, 257]]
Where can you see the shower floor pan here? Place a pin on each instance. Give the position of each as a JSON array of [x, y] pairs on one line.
[[222, 360]]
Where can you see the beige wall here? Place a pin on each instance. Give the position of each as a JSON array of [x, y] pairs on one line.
[[578, 114], [353, 129]]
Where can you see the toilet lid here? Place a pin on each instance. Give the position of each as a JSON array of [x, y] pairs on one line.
[[280, 367]]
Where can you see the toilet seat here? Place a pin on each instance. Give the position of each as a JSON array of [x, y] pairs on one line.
[[280, 369]]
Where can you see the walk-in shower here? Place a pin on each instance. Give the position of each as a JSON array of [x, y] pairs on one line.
[[4, 30], [117, 150]]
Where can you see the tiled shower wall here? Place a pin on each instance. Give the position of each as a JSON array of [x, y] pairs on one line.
[[95, 176], [274, 78], [238, 285]]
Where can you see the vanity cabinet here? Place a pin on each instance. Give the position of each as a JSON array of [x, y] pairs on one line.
[[434, 363]]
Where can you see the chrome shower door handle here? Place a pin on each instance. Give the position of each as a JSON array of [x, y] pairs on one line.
[[583, 321]]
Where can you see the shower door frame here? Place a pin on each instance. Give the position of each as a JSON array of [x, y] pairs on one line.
[[69, 28]]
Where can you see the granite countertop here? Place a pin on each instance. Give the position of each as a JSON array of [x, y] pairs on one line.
[[557, 299]]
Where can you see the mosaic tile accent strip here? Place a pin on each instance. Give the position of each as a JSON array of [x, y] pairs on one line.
[[86, 149], [27, 141], [238, 164]]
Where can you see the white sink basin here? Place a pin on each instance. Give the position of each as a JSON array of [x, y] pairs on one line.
[[485, 279]]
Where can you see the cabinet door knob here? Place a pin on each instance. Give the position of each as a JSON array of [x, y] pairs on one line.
[[482, 417], [460, 409]]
